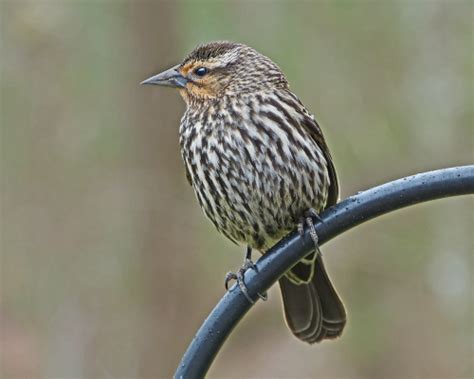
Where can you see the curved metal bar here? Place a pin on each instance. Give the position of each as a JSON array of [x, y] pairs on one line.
[[335, 220]]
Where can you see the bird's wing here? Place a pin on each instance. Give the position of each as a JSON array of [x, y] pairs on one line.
[[313, 129]]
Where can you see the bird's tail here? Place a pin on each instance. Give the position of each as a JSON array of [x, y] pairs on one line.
[[313, 309]]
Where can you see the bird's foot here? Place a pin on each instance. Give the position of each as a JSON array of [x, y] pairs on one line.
[[307, 220], [239, 278]]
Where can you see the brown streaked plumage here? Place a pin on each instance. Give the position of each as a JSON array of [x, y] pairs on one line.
[[258, 163]]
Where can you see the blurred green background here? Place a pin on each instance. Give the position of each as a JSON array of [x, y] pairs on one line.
[[108, 266]]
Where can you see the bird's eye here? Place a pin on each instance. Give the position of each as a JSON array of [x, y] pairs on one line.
[[201, 71]]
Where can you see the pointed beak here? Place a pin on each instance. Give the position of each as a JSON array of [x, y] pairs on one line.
[[169, 78]]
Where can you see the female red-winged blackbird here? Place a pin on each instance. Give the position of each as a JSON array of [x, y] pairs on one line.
[[259, 166]]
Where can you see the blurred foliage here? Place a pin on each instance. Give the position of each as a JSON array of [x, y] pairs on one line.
[[107, 264]]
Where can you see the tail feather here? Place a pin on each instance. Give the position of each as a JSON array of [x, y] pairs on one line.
[[313, 310]]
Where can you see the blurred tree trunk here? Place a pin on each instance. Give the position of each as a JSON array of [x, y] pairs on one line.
[[158, 113]]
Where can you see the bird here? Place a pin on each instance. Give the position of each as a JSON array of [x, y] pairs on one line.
[[260, 168]]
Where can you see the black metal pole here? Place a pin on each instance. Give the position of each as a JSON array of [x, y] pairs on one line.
[[339, 218]]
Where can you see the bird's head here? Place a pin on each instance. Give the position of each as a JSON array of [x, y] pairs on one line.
[[219, 69]]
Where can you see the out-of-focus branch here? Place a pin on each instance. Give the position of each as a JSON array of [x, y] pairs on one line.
[[335, 220]]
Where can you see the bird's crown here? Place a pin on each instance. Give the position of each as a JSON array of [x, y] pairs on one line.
[[212, 50]]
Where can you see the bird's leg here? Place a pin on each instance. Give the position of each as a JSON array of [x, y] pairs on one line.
[[248, 263], [312, 213], [239, 276], [308, 220]]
